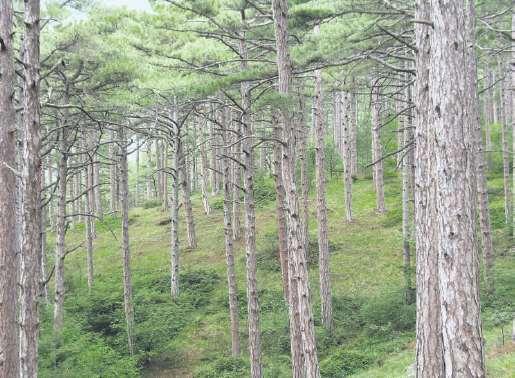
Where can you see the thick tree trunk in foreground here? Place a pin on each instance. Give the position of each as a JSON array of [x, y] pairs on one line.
[[429, 354], [296, 244], [451, 120], [323, 238], [377, 152], [229, 251], [126, 254], [8, 261], [31, 198]]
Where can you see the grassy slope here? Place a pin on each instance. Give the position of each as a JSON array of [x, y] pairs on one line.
[[366, 277]]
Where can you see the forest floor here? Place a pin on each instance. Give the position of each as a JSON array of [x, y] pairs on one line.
[[373, 332]]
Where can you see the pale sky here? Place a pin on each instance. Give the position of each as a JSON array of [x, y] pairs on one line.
[[141, 5]]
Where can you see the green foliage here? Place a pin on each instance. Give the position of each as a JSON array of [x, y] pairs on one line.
[[150, 204], [264, 190], [80, 354], [343, 363], [387, 314], [224, 367]]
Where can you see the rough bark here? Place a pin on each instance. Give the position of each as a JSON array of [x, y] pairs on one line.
[[204, 174], [406, 164], [30, 258], [377, 153], [296, 244], [451, 118], [8, 236], [482, 198], [354, 135], [186, 198], [113, 168], [280, 211], [505, 132], [174, 217], [150, 167], [126, 254], [429, 353], [89, 228], [250, 217], [236, 200], [229, 251], [347, 151], [60, 231], [323, 238]]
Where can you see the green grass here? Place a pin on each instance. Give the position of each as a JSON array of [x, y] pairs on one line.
[[374, 329]]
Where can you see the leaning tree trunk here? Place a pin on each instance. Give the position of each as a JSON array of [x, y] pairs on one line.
[[377, 157], [296, 244], [126, 254], [8, 236], [347, 152], [174, 217], [250, 219], [30, 258], [429, 350], [229, 250], [323, 238]]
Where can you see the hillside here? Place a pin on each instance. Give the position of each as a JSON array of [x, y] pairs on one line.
[[373, 329]]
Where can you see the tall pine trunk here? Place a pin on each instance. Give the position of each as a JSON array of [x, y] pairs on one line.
[[429, 350], [126, 254], [296, 244], [377, 154], [250, 217], [229, 250], [30, 258], [8, 236], [323, 238]]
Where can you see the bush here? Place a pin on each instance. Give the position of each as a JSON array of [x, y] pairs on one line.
[[343, 363], [264, 190], [217, 204], [267, 256], [388, 313], [81, 354], [224, 367], [150, 204]]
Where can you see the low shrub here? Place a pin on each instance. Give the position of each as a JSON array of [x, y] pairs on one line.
[[343, 363], [224, 367]]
